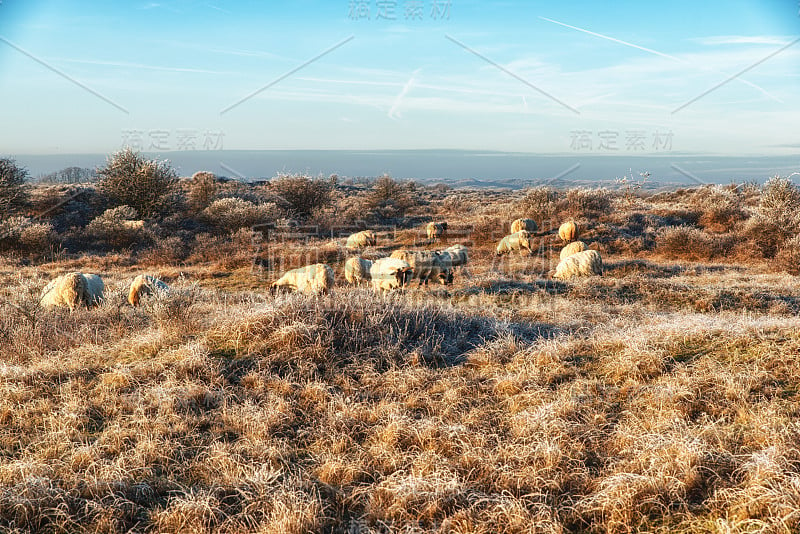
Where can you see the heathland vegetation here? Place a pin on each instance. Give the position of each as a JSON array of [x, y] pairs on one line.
[[659, 396]]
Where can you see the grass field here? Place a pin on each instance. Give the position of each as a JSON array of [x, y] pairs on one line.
[[660, 397]]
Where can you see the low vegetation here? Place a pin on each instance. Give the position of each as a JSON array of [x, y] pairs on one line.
[[661, 396]]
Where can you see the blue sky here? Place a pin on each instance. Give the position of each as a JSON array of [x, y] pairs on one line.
[[560, 77]]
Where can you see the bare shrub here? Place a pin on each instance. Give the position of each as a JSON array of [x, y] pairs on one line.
[[13, 187], [689, 243], [720, 208], [787, 258], [302, 194], [780, 203], [131, 180], [202, 188], [117, 227], [231, 214], [540, 203], [390, 199], [585, 202], [23, 234]]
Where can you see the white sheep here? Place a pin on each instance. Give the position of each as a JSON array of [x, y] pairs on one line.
[[517, 241], [568, 231], [364, 238], [523, 224], [356, 270], [68, 290], [312, 279], [584, 263], [144, 284], [436, 230], [427, 265], [572, 248], [390, 273]]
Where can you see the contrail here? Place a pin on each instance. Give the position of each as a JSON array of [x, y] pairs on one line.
[[399, 100]]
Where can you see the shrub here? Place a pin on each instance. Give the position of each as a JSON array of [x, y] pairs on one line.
[[117, 227], [231, 214], [585, 202], [25, 235], [131, 180], [13, 187], [202, 189], [780, 203], [390, 199], [302, 194], [689, 243], [787, 258], [720, 209], [540, 204]]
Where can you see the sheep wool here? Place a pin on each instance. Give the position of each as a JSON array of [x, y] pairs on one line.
[[68, 290], [390, 273], [312, 279], [356, 270], [144, 284], [436, 230], [568, 231], [584, 263], [365, 238], [517, 241], [572, 248], [523, 224]]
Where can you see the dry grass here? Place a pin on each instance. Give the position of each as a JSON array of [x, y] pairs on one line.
[[661, 397]]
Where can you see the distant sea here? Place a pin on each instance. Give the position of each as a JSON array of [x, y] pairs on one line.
[[454, 167]]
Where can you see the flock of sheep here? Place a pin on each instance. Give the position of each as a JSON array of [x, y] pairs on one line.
[[385, 274], [403, 266]]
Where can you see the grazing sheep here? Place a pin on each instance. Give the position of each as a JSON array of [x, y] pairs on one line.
[[458, 255], [144, 284], [364, 238], [390, 273], [568, 231], [523, 224], [94, 289], [356, 270], [427, 265], [584, 263], [518, 241], [68, 290], [312, 279], [572, 248], [436, 230]]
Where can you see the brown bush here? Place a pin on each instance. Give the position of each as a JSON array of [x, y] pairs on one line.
[[128, 179], [301, 194], [117, 227], [23, 234], [13, 187], [540, 204], [691, 243], [590, 203], [201, 191], [787, 258], [231, 214], [720, 208]]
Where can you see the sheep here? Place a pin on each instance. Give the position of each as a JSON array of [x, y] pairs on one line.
[[364, 238], [458, 254], [572, 248], [568, 231], [427, 265], [312, 279], [94, 289], [68, 290], [584, 263], [436, 230], [518, 241], [144, 284], [357, 270], [390, 273], [523, 224]]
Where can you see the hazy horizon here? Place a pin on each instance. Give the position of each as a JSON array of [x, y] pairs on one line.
[[451, 166]]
